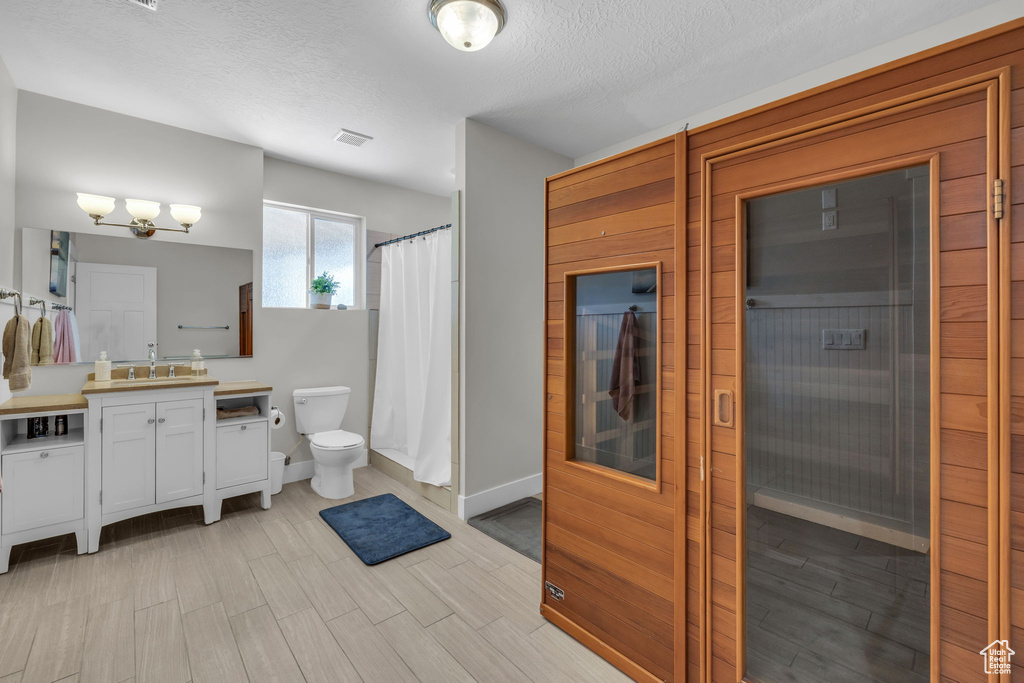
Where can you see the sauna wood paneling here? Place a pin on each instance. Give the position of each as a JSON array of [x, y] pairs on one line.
[[609, 543]]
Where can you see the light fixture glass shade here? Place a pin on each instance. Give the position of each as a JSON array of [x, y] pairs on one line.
[[142, 210], [186, 214], [95, 205], [468, 25]]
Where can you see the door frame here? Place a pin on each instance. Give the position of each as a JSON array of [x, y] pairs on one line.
[[996, 84]]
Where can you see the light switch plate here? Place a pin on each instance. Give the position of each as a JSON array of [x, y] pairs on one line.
[[828, 198], [844, 339]]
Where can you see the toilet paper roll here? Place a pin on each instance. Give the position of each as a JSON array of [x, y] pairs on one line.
[[277, 418]]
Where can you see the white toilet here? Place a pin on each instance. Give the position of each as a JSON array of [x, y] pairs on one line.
[[318, 416]]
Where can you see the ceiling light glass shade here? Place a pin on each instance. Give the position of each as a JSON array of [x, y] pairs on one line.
[[186, 214], [142, 210], [95, 205], [467, 25]]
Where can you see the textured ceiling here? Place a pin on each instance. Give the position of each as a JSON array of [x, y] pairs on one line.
[[572, 76]]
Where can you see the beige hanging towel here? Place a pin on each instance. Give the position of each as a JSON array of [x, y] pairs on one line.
[[626, 367], [17, 348], [42, 342]]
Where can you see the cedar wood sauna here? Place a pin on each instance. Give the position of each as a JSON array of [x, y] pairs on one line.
[[655, 556]]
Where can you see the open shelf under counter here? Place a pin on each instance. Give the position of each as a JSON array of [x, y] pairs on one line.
[[21, 443]]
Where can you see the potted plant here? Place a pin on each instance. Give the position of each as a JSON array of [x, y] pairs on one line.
[[321, 290]]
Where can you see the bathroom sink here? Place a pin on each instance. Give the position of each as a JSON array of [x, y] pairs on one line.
[[154, 382]]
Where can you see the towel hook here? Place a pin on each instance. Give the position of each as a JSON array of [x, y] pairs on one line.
[[42, 304], [7, 294], [634, 307]]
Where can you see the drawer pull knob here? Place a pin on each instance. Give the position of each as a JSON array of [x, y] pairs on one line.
[[244, 428], [150, 421], [44, 454], [162, 420]]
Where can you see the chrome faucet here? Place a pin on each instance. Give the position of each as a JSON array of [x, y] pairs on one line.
[[170, 368], [131, 370], [152, 361]]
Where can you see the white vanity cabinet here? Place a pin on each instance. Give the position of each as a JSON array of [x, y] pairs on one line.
[[151, 450], [152, 453], [44, 477], [243, 445]]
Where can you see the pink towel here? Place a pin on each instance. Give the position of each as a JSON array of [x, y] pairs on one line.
[[625, 367], [63, 339]]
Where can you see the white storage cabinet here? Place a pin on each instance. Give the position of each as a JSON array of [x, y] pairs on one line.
[[44, 483]]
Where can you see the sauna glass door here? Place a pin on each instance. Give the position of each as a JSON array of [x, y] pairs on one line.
[[613, 364], [836, 430]]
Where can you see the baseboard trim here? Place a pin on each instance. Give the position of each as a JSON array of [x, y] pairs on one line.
[[598, 646], [485, 501], [298, 471]]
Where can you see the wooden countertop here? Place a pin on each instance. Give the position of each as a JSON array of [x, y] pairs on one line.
[[245, 387], [142, 384], [44, 404]]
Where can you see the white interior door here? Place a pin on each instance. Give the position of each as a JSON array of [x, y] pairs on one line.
[[116, 309], [179, 449]]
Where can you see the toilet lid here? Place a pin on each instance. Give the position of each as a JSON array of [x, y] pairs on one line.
[[338, 438]]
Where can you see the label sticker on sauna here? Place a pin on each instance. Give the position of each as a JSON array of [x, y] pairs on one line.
[[997, 657]]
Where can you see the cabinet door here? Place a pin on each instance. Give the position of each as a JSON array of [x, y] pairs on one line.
[[179, 449], [242, 454], [129, 462], [43, 487]]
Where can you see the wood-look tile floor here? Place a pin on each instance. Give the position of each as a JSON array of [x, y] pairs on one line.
[[275, 595], [826, 605]]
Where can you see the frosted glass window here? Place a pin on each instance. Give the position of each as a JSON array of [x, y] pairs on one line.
[[299, 245], [334, 247], [284, 258]]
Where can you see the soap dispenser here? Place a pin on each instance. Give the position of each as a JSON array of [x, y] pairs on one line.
[[198, 364], [102, 368]]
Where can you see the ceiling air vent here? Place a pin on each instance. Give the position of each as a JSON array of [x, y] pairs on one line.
[[148, 4], [350, 137]]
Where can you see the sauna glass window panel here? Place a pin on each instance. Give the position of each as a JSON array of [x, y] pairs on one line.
[[836, 430], [615, 370]]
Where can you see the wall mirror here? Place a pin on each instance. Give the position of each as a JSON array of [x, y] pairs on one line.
[[611, 349], [129, 296]]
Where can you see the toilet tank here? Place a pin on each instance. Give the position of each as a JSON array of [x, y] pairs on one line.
[[320, 409]]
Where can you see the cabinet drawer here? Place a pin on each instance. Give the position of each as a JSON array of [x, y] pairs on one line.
[[242, 454], [43, 487]]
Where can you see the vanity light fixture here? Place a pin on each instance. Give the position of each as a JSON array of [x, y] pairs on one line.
[[467, 25], [143, 212]]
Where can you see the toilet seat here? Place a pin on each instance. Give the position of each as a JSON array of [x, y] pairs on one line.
[[336, 440]]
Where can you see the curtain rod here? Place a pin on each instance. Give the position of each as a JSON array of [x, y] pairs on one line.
[[417, 234]]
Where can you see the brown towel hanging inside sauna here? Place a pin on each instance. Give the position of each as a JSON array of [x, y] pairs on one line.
[[626, 367]]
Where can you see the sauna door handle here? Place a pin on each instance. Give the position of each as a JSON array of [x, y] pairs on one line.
[[722, 409]]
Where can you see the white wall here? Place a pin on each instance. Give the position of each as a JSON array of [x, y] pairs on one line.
[[65, 148], [933, 36], [8, 117], [502, 364]]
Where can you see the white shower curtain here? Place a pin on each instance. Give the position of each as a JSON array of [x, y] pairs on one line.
[[412, 395]]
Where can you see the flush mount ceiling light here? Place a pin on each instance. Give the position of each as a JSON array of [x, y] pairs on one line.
[[143, 212], [467, 25]]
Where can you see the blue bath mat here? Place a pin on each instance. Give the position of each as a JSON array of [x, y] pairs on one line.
[[382, 527]]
